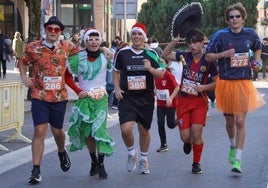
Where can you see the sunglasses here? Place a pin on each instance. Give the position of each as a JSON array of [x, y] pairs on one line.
[[55, 29], [234, 16]]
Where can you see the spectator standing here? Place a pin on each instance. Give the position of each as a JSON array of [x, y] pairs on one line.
[[4, 50], [18, 47], [154, 44], [115, 43], [264, 57], [76, 40]]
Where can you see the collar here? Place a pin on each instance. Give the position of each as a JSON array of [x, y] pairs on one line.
[[50, 45]]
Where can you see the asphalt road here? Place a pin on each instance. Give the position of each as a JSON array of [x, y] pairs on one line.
[[169, 169]]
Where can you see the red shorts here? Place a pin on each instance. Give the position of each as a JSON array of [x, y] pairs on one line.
[[191, 110]]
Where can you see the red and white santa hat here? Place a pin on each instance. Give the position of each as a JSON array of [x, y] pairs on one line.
[[88, 32], [140, 28]]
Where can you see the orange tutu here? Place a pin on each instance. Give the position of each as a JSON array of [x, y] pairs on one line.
[[234, 96]]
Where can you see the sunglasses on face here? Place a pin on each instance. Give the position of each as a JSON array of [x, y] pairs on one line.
[[234, 16], [55, 29]]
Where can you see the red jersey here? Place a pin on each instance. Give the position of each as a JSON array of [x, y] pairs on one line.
[[164, 88]]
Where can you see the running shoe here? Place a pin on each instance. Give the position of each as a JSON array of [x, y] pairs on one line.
[[196, 168], [94, 169], [236, 167], [65, 162], [131, 162], [144, 166], [187, 148], [231, 157], [35, 177], [163, 148], [102, 172]]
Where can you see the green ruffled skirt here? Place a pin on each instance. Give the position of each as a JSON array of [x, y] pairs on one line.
[[89, 119]]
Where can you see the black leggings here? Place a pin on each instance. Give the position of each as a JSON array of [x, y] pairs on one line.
[[169, 113], [3, 65]]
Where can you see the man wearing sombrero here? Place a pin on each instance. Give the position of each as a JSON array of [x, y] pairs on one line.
[[192, 101]]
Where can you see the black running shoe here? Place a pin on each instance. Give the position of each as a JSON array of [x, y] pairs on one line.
[[102, 172], [35, 177], [94, 169], [187, 148], [65, 162], [196, 168]]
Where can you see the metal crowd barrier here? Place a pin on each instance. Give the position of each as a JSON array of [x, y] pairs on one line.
[[12, 110]]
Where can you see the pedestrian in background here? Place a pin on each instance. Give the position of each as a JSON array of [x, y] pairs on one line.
[[49, 94], [235, 92], [76, 40], [192, 99], [18, 47], [264, 57], [88, 121], [135, 68], [154, 44], [4, 52]]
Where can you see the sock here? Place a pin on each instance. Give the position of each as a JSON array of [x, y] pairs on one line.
[[36, 167], [144, 155], [93, 157], [131, 150], [197, 152], [232, 142], [238, 155], [100, 158]]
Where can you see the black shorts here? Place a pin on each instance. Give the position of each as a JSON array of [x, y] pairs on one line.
[[137, 107], [48, 112]]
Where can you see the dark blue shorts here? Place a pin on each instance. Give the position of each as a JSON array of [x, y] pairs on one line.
[[48, 112]]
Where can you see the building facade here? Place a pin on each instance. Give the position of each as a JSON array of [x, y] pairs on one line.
[[79, 14]]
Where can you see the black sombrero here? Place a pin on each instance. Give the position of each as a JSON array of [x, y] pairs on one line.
[[186, 18]]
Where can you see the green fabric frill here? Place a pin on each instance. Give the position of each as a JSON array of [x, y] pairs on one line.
[[89, 118]]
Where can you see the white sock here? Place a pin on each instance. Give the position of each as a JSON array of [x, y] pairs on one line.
[[238, 155], [232, 142], [144, 155], [131, 150]]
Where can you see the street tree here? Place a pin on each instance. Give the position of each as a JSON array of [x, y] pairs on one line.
[[157, 15], [34, 7], [213, 18]]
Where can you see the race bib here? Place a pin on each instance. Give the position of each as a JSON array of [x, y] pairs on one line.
[[188, 86], [97, 93], [52, 83], [240, 60], [136, 82], [162, 94]]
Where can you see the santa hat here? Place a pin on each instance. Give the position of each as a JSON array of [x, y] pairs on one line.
[[140, 28], [88, 32]]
